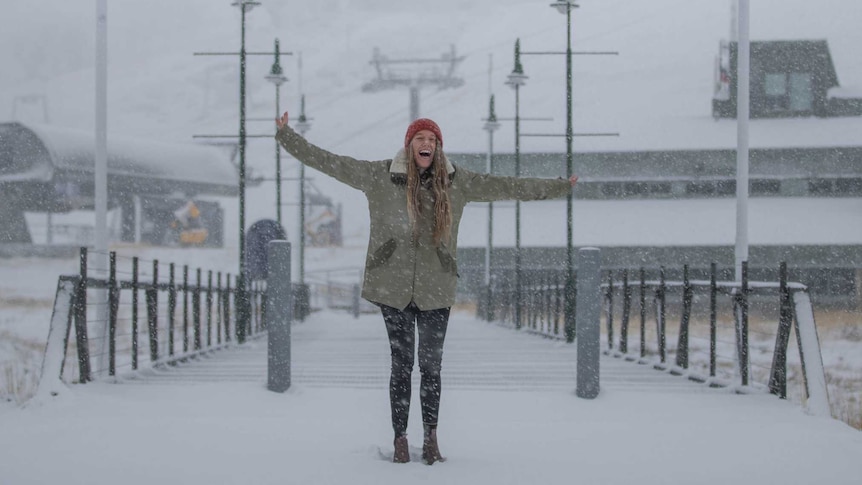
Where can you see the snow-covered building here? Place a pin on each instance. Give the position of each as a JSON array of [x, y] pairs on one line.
[[50, 169]]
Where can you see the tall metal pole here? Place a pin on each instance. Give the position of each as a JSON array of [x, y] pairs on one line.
[[571, 289], [242, 141], [276, 76], [517, 209], [302, 126], [100, 181], [243, 309], [277, 156], [490, 126], [742, 114], [516, 79], [569, 136]]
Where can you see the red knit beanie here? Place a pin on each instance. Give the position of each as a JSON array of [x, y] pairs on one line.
[[419, 125]]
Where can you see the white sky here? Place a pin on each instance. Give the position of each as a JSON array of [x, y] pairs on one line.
[[656, 93]]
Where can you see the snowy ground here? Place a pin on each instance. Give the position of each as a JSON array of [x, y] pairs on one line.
[[166, 428]]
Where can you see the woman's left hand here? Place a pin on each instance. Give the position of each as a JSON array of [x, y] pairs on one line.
[[573, 180]]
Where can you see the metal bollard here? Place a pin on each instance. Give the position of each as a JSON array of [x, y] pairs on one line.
[[279, 315], [587, 318]]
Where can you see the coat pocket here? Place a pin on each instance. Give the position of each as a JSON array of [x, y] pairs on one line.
[[382, 254], [447, 261]]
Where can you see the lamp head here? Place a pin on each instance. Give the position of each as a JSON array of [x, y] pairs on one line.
[[563, 6]]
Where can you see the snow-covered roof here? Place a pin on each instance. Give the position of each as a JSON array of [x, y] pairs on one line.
[[75, 150]]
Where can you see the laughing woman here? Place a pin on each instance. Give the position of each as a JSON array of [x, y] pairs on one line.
[[416, 200]]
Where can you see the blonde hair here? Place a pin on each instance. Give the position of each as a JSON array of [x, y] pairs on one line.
[[439, 186]]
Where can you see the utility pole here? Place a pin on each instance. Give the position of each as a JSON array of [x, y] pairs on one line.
[[243, 305], [565, 7], [438, 72]]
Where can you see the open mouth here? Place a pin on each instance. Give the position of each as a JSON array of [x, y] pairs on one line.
[[425, 153]]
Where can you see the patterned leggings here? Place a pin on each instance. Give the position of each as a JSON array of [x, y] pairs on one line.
[[401, 325]]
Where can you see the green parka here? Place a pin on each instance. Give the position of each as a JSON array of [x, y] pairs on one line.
[[398, 269]]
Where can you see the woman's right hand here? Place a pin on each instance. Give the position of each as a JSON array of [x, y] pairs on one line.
[[280, 122]]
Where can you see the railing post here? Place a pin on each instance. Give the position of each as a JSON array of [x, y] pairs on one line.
[[661, 293], [152, 295], [196, 310], [226, 307], [558, 303], [642, 298], [135, 313], [81, 339], [778, 376], [209, 301], [713, 318], [185, 308], [356, 292], [743, 326], [587, 318], [113, 304], [219, 309], [279, 316], [172, 307], [682, 339], [570, 311], [609, 299], [624, 323]]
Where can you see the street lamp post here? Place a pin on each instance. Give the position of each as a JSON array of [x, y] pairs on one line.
[[302, 294], [243, 305], [277, 77], [517, 79], [302, 127], [566, 8], [491, 125]]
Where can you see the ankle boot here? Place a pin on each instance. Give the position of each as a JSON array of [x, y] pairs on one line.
[[430, 450], [402, 451]]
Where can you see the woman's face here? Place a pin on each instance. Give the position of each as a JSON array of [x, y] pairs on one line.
[[423, 144]]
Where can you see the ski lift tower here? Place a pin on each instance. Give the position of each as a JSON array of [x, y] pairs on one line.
[[414, 74]]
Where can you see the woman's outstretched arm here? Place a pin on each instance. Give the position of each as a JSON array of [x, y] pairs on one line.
[[487, 188], [355, 173]]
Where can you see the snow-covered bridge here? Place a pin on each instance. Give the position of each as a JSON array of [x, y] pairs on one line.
[[509, 415]]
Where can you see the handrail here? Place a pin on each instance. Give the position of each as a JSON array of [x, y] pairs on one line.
[[795, 313], [542, 313], [204, 323]]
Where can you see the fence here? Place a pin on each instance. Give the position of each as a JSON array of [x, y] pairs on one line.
[[142, 318], [717, 351], [338, 289], [710, 347]]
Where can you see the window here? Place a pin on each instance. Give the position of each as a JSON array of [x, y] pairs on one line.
[[765, 187], [820, 187], [775, 84], [849, 186], [775, 91], [801, 97], [788, 92]]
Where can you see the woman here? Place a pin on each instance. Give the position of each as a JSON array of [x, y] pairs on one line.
[[416, 200]]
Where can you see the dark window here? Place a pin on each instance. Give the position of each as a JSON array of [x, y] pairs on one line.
[[820, 187], [765, 187], [612, 189], [725, 187], [848, 186], [659, 188], [700, 188]]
